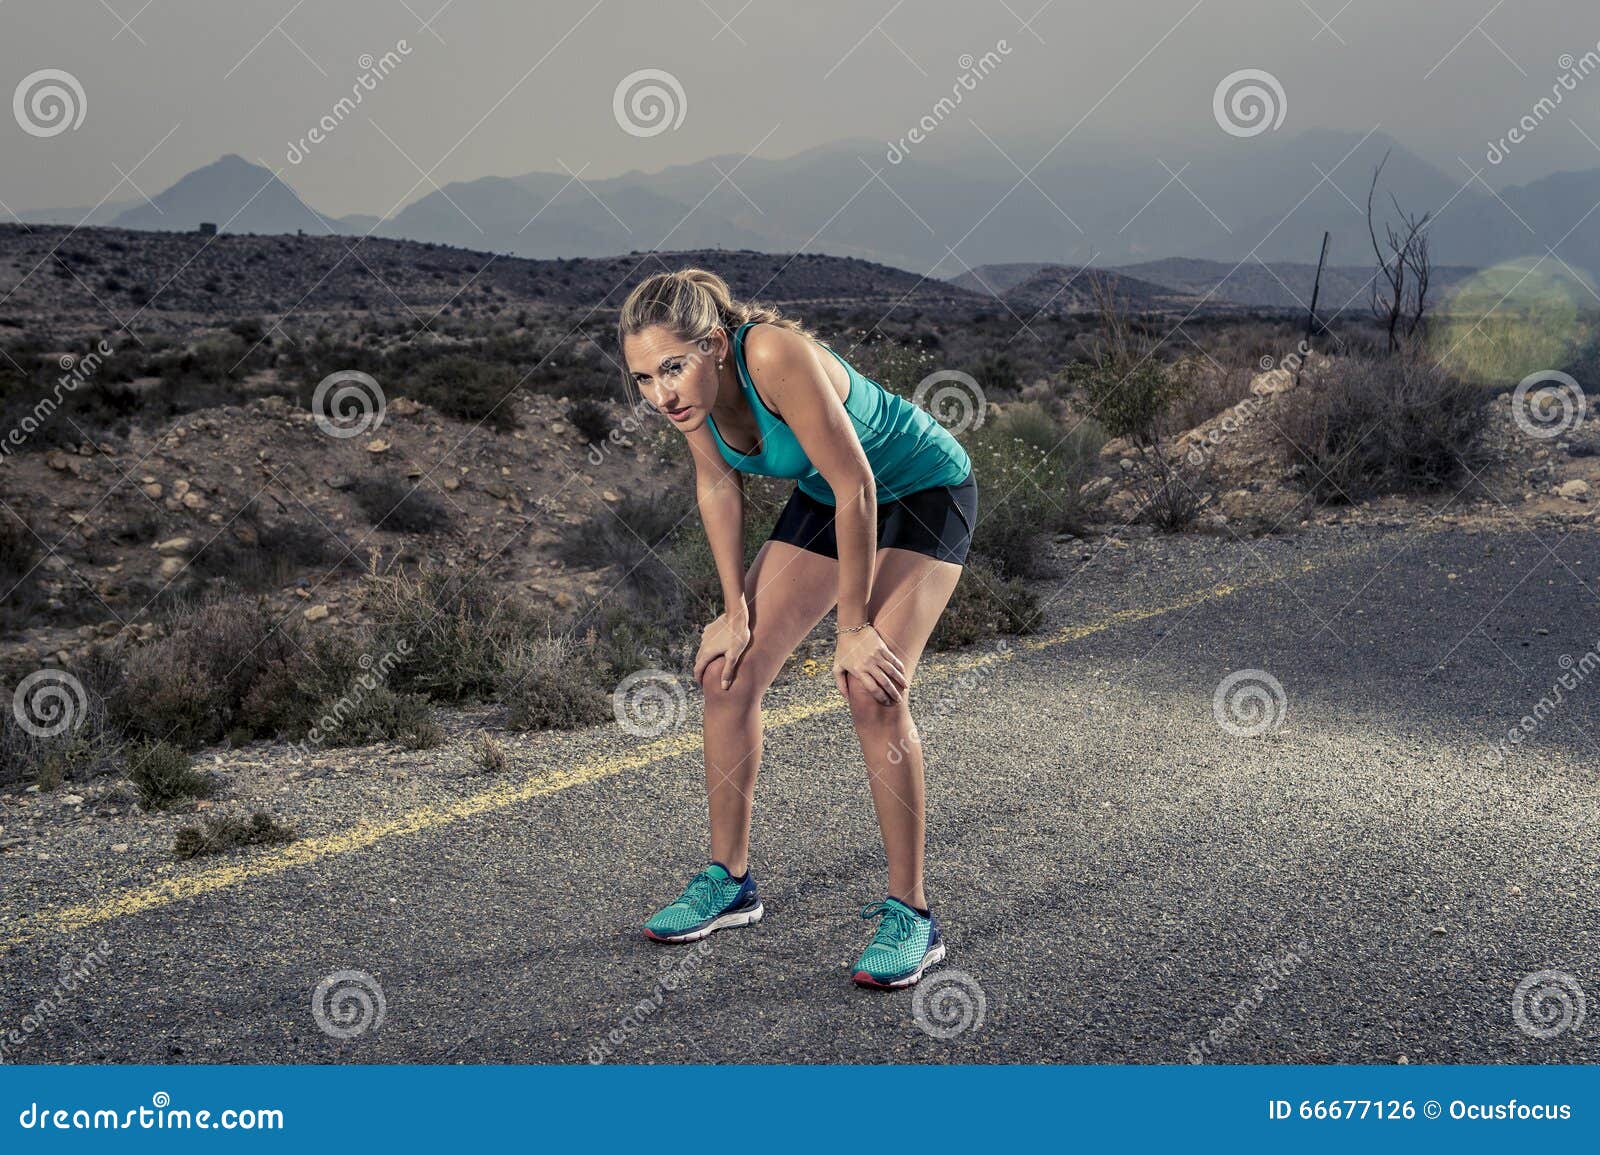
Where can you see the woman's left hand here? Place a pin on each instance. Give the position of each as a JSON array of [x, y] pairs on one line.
[[866, 657]]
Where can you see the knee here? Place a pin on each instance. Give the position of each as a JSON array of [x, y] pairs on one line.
[[867, 711], [745, 693]]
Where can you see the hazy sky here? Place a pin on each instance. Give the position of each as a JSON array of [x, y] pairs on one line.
[[509, 86]]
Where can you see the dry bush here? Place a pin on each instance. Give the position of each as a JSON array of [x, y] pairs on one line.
[[1379, 425], [163, 775], [223, 832], [395, 504], [188, 687], [553, 688]]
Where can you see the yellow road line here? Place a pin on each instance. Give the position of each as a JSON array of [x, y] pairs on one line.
[[209, 880]]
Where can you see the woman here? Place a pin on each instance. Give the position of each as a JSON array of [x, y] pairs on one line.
[[879, 523]]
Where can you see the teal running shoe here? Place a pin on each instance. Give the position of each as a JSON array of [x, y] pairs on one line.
[[906, 945], [713, 900]]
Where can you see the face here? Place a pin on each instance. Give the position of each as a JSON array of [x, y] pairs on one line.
[[677, 377]]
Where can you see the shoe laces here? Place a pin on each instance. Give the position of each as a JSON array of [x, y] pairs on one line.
[[897, 926], [702, 893]]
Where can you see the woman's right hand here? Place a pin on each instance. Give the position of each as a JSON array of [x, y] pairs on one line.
[[728, 637]]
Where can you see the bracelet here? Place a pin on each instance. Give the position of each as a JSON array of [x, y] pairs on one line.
[[853, 629]]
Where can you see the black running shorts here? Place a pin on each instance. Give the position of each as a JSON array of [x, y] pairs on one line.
[[937, 522]]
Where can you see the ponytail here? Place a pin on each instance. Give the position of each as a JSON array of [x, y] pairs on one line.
[[692, 303]]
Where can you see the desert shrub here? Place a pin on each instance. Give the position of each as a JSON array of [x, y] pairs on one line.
[[622, 639], [680, 585], [632, 535], [392, 503], [188, 687], [468, 388], [163, 776], [250, 330], [19, 574], [1031, 474], [461, 635], [985, 604], [1128, 399], [1213, 386], [995, 372], [897, 367], [86, 748], [489, 754], [217, 834], [1170, 498], [552, 687], [1377, 425], [335, 692], [591, 418]]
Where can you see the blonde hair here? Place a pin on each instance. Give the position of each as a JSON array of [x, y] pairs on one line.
[[691, 303]]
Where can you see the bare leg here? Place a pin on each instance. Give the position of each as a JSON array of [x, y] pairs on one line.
[[788, 590], [909, 592]]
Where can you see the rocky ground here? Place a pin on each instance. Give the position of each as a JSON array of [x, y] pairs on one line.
[[125, 522]]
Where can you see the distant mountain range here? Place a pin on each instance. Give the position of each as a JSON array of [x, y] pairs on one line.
[[1258, 200], [1180, 281]]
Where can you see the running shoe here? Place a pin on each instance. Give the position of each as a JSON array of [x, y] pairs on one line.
[[713, 900], [906, 944]]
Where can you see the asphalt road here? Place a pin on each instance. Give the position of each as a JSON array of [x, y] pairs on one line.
[[1356, 876]]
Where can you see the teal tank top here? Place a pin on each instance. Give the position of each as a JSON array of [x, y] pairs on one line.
[[907, 449]]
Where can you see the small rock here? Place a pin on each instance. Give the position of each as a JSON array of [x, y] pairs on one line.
[[194, 499], [175, 545], [1575, 490], [378, 445], [71, 799], [316, 613], [153, 490], [119, 848], [610, 495], [404, 407]]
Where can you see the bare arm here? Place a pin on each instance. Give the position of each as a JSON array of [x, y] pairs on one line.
[[719, 494], [790, 372]]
